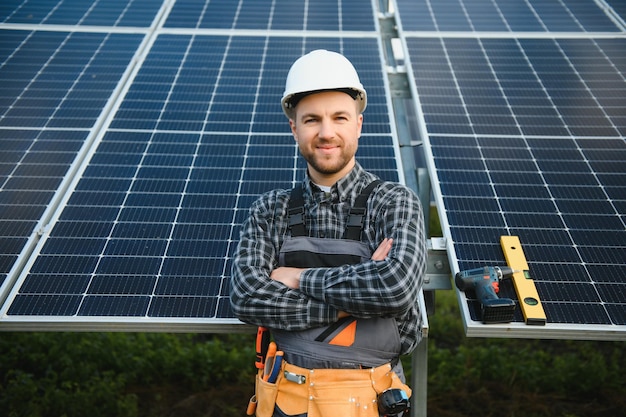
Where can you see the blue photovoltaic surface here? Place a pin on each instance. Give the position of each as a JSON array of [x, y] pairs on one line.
[[504, 16], [153, 221], [54, 87], [109, 13], [527, 137], [618, 7], [321, 15]]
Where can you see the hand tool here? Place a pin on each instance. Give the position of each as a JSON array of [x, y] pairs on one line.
[[527, 294], [269, 360], [251, 409], [262, 343], [297, 378], [278, 361], [392, 402]]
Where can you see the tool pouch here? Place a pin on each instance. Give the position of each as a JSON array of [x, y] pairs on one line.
[[264, 399], [325, 392]]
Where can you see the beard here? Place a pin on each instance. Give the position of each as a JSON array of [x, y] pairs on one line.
[[329, 164]]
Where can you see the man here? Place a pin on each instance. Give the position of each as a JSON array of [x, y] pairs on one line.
[[341, 306]]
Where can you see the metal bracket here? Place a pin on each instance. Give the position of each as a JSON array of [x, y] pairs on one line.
[[388, 26], [438, 273], [398, 82]]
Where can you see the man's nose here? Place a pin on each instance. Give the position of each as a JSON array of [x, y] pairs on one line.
[[327, 130]]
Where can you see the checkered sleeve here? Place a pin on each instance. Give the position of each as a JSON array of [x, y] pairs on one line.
[[255, 297]]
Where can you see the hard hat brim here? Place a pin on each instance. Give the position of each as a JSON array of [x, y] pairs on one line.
[[290, 101]]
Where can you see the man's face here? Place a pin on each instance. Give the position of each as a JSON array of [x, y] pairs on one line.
[[327, 128]]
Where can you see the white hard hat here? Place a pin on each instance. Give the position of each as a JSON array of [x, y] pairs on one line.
[[321, 70]]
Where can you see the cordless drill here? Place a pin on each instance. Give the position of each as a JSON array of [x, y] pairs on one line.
[[486, 283]]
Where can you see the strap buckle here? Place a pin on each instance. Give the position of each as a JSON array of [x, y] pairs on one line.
[[297, 378]]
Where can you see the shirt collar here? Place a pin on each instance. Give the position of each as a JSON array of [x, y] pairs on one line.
[[347, 188]]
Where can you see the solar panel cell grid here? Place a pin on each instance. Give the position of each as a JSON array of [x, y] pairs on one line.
[[112, 13], [325, 15], [568, 105], [504, 16], [44, 74], [527, 134]]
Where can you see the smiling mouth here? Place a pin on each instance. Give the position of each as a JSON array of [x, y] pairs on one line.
[[327, 149]]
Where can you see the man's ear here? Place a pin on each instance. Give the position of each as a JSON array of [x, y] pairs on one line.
[[292, 125], [359, 125]]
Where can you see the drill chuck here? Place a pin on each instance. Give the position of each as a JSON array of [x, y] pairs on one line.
[[504, 271]]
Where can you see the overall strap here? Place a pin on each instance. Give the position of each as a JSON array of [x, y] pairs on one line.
[[295, 211], [357, 213], [355, 222]]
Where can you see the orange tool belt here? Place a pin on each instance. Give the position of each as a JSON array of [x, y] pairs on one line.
[[323, 392]]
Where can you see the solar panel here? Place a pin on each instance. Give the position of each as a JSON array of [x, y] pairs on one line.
[[112, 13], [321, 15], [505, 16], [526, 137], [136, 134], [617, 10], [146, 225], [54, 88]]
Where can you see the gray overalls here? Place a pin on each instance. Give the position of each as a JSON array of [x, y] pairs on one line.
[[376, 340]]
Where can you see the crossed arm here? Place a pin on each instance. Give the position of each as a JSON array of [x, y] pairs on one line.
[[296, 299], [291, 276]]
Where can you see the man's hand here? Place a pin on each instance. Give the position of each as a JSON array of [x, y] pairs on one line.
[[288, 276], [381, 252]]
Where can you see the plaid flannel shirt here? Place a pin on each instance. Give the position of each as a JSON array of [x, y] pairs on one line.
[[387, 288]]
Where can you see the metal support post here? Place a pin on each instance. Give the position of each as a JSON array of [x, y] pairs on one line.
[[419, 380]]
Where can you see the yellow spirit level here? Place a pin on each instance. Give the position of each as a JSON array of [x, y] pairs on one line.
[[529, 300]]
